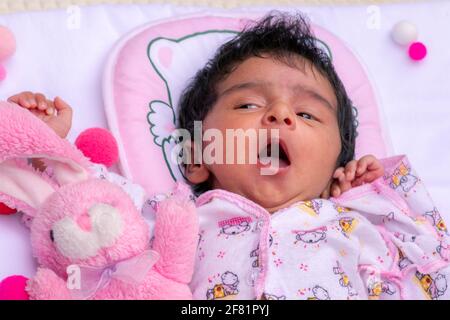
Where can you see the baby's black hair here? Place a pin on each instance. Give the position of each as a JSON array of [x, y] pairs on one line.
[[282, 36]]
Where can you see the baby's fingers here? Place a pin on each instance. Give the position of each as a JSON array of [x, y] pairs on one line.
[[371, 170], [376, 167], [50, 108], [24, 99], [339, 173], [371, 176], [365, 163], [335, 190], [350, 170], [358, 181], [14, 98], [64, 109], [345, 185], [41, 101]]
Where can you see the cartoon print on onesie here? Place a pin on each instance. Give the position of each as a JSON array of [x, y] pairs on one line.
[[402, 178], [347, 225], [403, 261], [432, 287], [344, 280], [389, 217], [269, 296], [435, 218], [312, 207], [225, 288], [444, 250], [235, 226], [376, 287], [316, 293], [340, 209], [313, 237]]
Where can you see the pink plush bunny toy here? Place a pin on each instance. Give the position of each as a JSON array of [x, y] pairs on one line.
[[86, 233]]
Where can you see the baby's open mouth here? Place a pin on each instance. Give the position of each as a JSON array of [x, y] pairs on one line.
[[268, 155]]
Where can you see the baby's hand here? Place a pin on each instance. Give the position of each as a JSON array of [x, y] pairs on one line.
[[57, 114], [356, 172]]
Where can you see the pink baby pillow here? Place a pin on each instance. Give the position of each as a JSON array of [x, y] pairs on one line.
[[150, 67]]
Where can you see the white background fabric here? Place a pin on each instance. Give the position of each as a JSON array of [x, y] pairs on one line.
[[54, 58]]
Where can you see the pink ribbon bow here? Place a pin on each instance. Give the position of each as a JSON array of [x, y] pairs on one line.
[[132, 271]]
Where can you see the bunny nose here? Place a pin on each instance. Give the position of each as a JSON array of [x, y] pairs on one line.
[[83, 237], [84, 221]]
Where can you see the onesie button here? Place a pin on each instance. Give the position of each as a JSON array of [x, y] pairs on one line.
[[261, 223], [252, 278]]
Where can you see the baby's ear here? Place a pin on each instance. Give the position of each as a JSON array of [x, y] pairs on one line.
[[196, 171]]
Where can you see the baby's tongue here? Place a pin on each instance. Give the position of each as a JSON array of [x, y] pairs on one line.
[[266, 158], [273, 161]]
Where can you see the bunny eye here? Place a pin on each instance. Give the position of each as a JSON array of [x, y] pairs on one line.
[[51, 236]]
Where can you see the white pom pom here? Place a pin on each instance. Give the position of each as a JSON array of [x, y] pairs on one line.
[[404, 33]]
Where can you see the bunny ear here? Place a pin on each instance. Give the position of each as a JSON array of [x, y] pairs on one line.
[[22, 187], [24, 136]]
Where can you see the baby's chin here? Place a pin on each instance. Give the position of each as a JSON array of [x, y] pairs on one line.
[[275, 202]]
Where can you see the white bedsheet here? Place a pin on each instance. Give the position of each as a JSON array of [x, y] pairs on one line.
[[56, 60]]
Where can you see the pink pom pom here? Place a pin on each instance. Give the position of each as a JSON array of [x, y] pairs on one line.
[[417, 51], [2, 73], [6, 210], [99, 146], [13, 288], [7, 43]]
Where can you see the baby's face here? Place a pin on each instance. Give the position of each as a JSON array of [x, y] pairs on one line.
[[263, 93]]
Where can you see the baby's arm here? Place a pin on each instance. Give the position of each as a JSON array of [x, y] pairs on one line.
[[56, 113], [356, 172]]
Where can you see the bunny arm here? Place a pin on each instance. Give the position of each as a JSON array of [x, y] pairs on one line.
[[47, 285], [36, 139], [22, 187], [176, 237]]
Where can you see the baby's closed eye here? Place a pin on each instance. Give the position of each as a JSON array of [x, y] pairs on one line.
[[248, 106], [251, 106]]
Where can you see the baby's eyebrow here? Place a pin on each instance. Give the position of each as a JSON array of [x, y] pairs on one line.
[[244, 85], [314, 94], [263, 84]]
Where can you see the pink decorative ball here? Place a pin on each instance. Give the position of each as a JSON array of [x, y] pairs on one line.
[[417, 51], [99, 145], [13, 288], [7, 43], [5, 210], [2, 73]]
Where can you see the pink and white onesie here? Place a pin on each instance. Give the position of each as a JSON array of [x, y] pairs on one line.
[[383, 240]]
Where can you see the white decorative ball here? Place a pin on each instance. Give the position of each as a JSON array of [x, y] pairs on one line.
[[404, 33]]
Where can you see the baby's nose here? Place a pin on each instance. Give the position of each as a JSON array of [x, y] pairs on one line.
[[280, 115]]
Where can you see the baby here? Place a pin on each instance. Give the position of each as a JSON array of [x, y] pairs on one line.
[[282, 236], [274, 77]]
